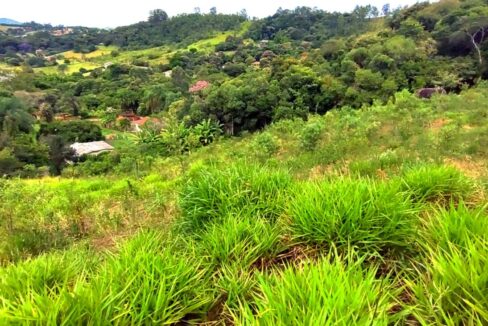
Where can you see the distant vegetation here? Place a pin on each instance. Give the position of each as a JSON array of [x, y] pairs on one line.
[[335, 163]]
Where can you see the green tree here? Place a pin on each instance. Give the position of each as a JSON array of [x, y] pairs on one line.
[[9, 164], [14, 117], [157, 16], [59, 153]]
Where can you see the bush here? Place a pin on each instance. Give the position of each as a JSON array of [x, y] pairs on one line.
[[241, 189], [374, 217], [339, 292], [436, 183], [95, 165], [265, 145], [310, 135], [73, 131]]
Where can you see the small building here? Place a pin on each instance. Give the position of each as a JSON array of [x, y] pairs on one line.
[[199, 86], [263, 43], [51, 58], [131, 116], [40, 53], [139, 123], [91, 148], [62, 31]]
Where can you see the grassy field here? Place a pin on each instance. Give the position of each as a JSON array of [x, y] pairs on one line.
[[376, 216], [154, 56], [101, 51], [6, 67], [208, 45]]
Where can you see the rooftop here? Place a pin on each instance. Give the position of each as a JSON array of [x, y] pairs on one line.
[[93, 148]]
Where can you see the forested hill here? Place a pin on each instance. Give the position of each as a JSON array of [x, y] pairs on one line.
[[158, 30], [161, 29], [225, 72]]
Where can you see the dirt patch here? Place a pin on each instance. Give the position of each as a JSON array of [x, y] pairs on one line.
[[437, 124], [386, 129], [381, 174], [473, 169], [291, 256], [108, 241], [318, 171], [216, 314]]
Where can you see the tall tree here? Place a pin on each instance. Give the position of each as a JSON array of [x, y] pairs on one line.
[[14, 117], [157, 16]]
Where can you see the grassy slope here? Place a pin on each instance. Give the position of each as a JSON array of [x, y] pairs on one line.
[[155, 56], [368, 208]]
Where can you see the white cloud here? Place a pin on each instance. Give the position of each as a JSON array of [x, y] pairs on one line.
[[111, 13]]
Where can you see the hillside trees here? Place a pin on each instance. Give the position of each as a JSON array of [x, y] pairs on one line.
[[462, 30], [14, 117], [17, 146], [72, 131], [157, 16], [160, 29]]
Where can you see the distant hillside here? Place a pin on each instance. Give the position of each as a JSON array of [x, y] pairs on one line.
[[8, 21]]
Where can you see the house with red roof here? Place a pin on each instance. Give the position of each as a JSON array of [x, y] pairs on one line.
[[199, 86]]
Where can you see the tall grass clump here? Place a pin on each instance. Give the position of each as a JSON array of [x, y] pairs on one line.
[[453, 288], [455, 225], [241, 189], [238, 240], [231, 247], [37, 291], [331, 292], [436, 183], [371, 216], [150, 280]]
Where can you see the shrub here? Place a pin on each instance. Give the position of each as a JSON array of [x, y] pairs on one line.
[[436, 183], [327, 293], [95, 165], [246, 189], [73, 131], [265, 145], [374, 217], [310, 135]]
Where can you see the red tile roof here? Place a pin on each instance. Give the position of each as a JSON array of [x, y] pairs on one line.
[[198, 86], [141, 121]]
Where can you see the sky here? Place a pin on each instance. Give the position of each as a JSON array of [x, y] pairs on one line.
[[113, 13]]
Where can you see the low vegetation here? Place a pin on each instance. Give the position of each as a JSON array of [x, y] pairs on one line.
[[346, 233]]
